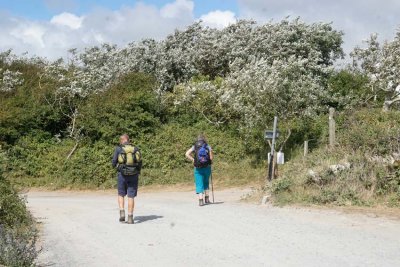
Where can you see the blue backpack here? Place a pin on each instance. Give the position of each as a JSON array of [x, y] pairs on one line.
[[201, 154]]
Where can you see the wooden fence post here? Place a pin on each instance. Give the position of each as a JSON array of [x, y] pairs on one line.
[[332, 129], [305, 148]]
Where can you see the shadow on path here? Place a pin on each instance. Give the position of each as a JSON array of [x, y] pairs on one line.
[[140, 219], [216, 203]]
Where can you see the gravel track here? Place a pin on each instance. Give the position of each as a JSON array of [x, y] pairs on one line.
[[82, 229]]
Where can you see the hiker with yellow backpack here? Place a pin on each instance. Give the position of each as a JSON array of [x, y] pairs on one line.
[[128, 161]]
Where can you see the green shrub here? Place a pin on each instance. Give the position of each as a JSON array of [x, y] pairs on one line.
[[18, 249], [349, 88], [12, 209], [26, 109], [166, 149], [370, 130], [326, 196], [130, 106], [339, 197], [36, 163], [17, 231], [281, 185]]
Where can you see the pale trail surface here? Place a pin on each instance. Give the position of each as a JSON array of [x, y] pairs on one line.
[[82, 229]]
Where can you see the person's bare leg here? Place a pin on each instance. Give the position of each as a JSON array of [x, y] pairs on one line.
[[121, 203], [131, 206]]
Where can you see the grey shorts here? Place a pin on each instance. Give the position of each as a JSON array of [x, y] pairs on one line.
[[128, 185]]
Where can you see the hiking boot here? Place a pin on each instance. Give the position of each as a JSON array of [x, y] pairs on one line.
[[130, 219], [207, 200], [201, 202], [122, 215]]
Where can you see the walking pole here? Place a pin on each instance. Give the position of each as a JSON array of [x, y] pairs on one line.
[[212, 186]]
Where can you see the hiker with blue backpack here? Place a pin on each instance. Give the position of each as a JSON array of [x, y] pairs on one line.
[[201, 155]]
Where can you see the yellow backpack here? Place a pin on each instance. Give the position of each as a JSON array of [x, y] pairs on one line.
[[129, 160]]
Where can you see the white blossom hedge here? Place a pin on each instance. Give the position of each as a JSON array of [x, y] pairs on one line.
[[273, 69], [381, 62], [245, 72]]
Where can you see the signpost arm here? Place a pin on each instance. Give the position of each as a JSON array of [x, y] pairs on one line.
[[271, 162]]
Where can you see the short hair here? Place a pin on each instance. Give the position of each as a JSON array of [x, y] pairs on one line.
[[125, 136], [201, 137]]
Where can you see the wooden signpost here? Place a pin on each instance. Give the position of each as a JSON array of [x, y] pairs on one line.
[[272, 135]]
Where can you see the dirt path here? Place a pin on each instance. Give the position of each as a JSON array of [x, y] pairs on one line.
[[81, 229]]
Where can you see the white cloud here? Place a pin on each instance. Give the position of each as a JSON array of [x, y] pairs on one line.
[[357, 18], [177, 8], [55, 37], [67, 19], [218, 19], [29, 33]]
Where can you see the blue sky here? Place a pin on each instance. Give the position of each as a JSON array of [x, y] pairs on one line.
[[46, 9]]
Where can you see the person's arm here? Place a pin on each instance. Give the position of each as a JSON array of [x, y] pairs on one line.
[[115, 157], [189, 154], [211, 153]]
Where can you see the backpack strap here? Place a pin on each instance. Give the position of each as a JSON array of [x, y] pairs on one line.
[[122, 153], [135, 150]]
